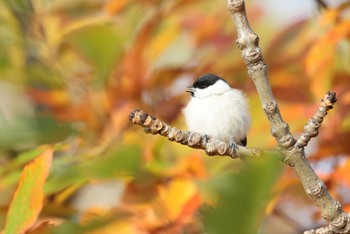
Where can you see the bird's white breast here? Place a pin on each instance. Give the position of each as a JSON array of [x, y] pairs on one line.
[[223, 116]]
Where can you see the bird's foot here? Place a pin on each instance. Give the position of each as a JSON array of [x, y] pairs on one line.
[[232, 145], [206, 138]]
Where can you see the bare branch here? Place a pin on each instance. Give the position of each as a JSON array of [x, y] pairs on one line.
[[193, 139], [311, 129], [248, 43], [294, 153]]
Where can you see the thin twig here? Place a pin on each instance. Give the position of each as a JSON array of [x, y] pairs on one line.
[[311, 129], [195, 140]]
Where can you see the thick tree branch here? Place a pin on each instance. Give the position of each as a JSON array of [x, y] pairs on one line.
[[248, 43], [311, 129], [294, 153], [195, 140]]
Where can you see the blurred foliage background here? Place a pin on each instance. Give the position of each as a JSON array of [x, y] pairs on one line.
[[71, 72]]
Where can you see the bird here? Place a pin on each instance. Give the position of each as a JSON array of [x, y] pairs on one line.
[[217, 110]]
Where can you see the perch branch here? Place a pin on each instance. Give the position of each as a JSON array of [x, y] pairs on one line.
[[248, 43], [311, 129], [195, 140]]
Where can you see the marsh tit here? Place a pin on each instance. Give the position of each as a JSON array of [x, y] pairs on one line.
[[217, 110]]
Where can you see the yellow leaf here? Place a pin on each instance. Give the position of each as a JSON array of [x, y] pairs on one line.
[[163, 39], [27, 201]]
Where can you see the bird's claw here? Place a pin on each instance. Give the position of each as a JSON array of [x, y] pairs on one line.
[[232, 145]]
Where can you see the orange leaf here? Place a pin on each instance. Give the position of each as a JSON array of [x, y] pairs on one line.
[[196, 166], [115, 6], [177, 196], [320, 59], [27, 201], [346, 208], [319, 63], [53, 98], [343, 174]]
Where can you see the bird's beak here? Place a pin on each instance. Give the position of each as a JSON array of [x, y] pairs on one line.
[[190, 90]]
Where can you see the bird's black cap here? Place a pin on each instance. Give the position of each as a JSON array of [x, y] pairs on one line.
[[206, 80]]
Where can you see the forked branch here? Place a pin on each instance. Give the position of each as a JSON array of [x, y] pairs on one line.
[[294, 150]]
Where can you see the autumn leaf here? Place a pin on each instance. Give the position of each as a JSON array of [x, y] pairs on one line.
[[44, 226], [163, 40], [320, 59], [342, 174], [346, 208], [27, 201], [114, 7], [177, 198]]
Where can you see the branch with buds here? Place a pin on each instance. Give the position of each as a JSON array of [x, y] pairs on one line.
[[313, 125], [211, 146], [292, 150]]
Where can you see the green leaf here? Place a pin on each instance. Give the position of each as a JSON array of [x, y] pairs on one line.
[[241, 198], [100, 44], [21, 159], [125, 161], [20, 5], [63, 174]]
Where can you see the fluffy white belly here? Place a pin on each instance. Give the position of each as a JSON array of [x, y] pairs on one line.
[[224, 117]]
